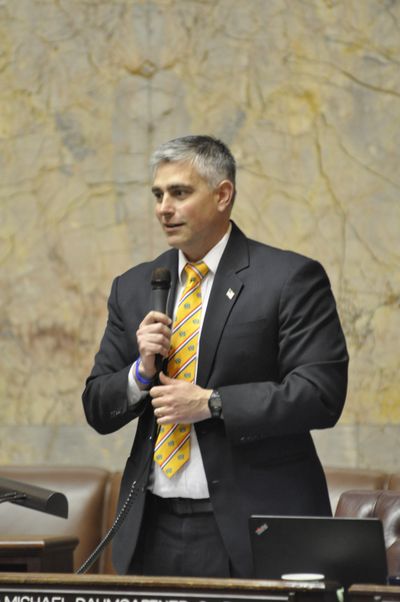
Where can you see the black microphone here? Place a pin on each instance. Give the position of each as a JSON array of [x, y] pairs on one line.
[[160, 287]]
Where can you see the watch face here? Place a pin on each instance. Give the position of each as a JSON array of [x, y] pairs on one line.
[[214, 403]]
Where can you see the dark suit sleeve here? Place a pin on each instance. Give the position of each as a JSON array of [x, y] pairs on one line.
[[311, 374], [105, 396]]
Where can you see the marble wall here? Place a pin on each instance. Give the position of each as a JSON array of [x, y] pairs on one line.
[[306, 93]]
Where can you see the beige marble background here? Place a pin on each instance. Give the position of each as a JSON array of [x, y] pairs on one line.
[[306, 93]]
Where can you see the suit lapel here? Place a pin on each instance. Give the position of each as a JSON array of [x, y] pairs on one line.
[[226, 289]]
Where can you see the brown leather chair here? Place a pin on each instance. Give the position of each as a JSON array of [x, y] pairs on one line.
[[85, 490], [110, 507], [382, 504]]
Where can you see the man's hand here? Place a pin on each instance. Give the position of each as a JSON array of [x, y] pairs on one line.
[[179, 401], [153, 338]]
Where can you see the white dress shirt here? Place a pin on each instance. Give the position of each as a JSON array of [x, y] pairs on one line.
[[190, 481]]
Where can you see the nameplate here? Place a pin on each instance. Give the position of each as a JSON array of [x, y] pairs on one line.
[[28, 594]]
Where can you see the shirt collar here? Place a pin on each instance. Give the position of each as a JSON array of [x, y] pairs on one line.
[[211, 259]]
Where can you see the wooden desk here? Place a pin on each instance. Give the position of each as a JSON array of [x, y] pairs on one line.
[[37, 554], [110, 588], [373, 593]]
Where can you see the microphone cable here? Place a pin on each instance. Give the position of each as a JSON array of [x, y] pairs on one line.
[[126, 506]]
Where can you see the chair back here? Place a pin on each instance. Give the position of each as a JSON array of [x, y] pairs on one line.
[[381, 504]]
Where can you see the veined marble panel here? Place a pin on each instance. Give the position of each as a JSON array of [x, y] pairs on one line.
[[307, 96]]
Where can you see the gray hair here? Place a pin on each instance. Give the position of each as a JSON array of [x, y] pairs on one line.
[[209, 156]]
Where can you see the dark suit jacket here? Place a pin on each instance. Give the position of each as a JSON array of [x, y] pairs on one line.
[[277, 355]]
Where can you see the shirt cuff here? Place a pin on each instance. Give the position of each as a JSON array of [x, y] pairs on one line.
[[133, 392]]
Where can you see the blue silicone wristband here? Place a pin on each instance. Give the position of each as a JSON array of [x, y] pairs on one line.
[[141, 379]]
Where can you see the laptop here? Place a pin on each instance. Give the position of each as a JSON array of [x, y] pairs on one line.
[[345, 550]]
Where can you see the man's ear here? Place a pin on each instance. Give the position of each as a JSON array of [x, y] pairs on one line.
[[225, 192]]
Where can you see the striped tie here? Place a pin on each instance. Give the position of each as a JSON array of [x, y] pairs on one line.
[[172, 448]]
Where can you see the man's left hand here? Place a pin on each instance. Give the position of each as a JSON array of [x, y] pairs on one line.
[[179, 401]]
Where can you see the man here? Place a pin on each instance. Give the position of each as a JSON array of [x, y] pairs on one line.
[[266, 363]]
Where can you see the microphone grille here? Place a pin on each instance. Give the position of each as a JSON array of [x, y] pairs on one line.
[[161, 278]]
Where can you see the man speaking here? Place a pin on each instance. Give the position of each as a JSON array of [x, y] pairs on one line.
[[253, 358]]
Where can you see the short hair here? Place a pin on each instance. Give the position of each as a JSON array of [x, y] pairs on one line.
[[209, 156]]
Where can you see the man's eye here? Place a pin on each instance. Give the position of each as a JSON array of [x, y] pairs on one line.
[[181, 193], [157, 195]]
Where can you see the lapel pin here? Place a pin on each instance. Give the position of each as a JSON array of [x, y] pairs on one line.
[[230, 293]]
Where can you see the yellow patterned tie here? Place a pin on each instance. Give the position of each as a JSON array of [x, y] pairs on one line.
[[172, 449]]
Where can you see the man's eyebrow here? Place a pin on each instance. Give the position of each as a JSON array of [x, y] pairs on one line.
[[173, 187]]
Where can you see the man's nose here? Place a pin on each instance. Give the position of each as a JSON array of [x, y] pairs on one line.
[[166, 205]]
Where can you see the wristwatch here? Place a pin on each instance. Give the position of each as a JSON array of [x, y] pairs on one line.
[[215, 404]]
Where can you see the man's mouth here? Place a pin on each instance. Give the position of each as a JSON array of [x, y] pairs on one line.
[[172, 226]]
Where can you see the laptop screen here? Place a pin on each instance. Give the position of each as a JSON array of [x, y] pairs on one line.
[[345, 550]]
